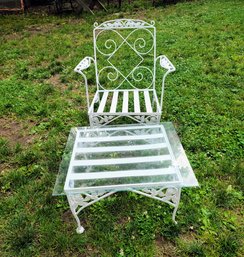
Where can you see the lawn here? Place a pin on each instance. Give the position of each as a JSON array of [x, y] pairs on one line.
[[41, 98]]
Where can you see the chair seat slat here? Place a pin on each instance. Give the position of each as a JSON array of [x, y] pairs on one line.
[[119, 96], [136, 102], [148, 102], [125, 102], [114, 102], [103, 102]]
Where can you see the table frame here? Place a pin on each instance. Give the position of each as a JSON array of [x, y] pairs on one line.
[[77, 202], [81, 194]]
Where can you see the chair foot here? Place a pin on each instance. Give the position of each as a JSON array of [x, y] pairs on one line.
[[80, 230]]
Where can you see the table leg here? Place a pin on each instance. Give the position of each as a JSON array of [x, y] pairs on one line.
[[176, 206], [78, 202], [170, 195]]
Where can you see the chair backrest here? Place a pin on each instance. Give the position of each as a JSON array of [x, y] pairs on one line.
[[125, 54]]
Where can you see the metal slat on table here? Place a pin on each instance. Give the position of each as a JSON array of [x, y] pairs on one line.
[[140, 155], [120, 148]]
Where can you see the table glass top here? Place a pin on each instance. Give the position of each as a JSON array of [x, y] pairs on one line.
[[115, 158]]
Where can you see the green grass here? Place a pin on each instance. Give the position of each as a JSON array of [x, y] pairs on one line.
[[41, 98]]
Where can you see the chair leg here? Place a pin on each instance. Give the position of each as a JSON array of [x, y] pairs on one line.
[[91, 121]]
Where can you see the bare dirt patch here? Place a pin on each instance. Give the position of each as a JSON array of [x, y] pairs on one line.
[[4, 167], [15, 131], [165, 248], [32, 30], [190, 236], [56, 82], [13, 36], [67, 217], [45, 28]]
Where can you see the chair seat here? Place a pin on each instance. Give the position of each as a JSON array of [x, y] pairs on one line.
[[122, 102]]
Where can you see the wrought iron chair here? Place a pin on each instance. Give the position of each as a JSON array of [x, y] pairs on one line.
[[125, 67]]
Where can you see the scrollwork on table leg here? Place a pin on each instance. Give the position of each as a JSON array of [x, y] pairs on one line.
[[73, 205], [170, 195], [78, 202]]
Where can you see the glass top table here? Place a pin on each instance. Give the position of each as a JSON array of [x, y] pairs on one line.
[[146, 159]]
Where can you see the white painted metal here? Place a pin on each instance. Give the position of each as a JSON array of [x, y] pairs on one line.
[[125, 94], [95, 99], [76, 200], [103, 102], [136, 102], [135, 150], [166, 64], [152, 169], [121, 148], [119, 138], [148, 102], [171, 196], [119, 128], [127, 160], [114, 102], [122, 187], [141, 48], [122, 174], [129, 90], [125, 102]]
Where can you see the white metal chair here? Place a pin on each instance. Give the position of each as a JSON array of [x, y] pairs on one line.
[[125, 67]]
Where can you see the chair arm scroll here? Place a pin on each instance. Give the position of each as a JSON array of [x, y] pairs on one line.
[[84, 64], [166, 63]]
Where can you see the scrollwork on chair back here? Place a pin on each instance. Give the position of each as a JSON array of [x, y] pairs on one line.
[[125, 54]]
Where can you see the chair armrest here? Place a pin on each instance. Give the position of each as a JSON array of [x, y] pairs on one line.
[[165, 63], [84, 64]]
